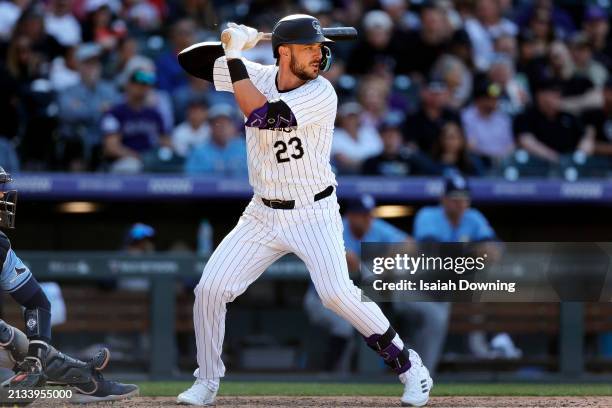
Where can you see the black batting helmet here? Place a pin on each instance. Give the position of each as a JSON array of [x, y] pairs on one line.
[[301, 29], [8, 201]]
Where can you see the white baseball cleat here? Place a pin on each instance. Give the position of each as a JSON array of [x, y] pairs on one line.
[[417, 382], [202, 393]]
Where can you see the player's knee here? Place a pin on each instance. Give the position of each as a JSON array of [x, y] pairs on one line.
[[205, 289], [333, 300], [13, 345]]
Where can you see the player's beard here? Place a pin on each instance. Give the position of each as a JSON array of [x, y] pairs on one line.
[[300, 70]]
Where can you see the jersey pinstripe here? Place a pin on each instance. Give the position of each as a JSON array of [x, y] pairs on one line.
[[288, 163]]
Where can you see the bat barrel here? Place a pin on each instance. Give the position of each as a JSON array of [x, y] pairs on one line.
[[340, 33], [333, 33]]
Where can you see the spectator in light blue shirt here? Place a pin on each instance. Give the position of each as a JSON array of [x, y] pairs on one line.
[[360, 225], [225, 153], [451, 221]]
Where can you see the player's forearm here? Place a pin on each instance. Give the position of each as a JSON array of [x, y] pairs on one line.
[[248, 96]]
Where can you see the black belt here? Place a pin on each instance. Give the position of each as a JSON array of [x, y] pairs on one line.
[[290, 204]]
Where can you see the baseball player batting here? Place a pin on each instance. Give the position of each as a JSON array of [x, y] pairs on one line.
[[290, 112]]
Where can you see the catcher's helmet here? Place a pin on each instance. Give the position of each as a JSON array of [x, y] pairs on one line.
[[8, 201], [301, 29]]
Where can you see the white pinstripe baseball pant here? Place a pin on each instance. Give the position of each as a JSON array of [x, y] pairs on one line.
[[263, 235]]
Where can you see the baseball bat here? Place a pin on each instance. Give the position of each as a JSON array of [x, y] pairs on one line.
[[333, 33]]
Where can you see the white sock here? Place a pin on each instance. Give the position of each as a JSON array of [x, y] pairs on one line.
[[397, 342]]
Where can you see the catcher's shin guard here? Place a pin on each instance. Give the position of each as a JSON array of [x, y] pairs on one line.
[[13, 345], [14, 354]]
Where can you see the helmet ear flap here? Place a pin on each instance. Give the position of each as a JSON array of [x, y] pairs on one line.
[[327, 58]]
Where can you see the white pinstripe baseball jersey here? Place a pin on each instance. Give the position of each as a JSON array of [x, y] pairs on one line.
[[290, 163], [284, 164]]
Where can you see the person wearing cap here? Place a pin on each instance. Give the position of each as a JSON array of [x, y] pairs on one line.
[[194, 131], [353, 140], [548, 133], [360, 225], [395, 160], [81, 107], [224, 154], [453, 220], [488, 129], [421, 128], [596, 27], [140, 239], [599, 123], [133, 128]]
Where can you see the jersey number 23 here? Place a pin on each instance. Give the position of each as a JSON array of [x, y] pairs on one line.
[[282, 156]]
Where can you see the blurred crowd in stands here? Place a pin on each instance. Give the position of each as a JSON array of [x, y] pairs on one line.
[[482, 87]]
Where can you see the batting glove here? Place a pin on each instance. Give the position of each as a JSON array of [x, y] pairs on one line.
[[252, 34], [233, 47]]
